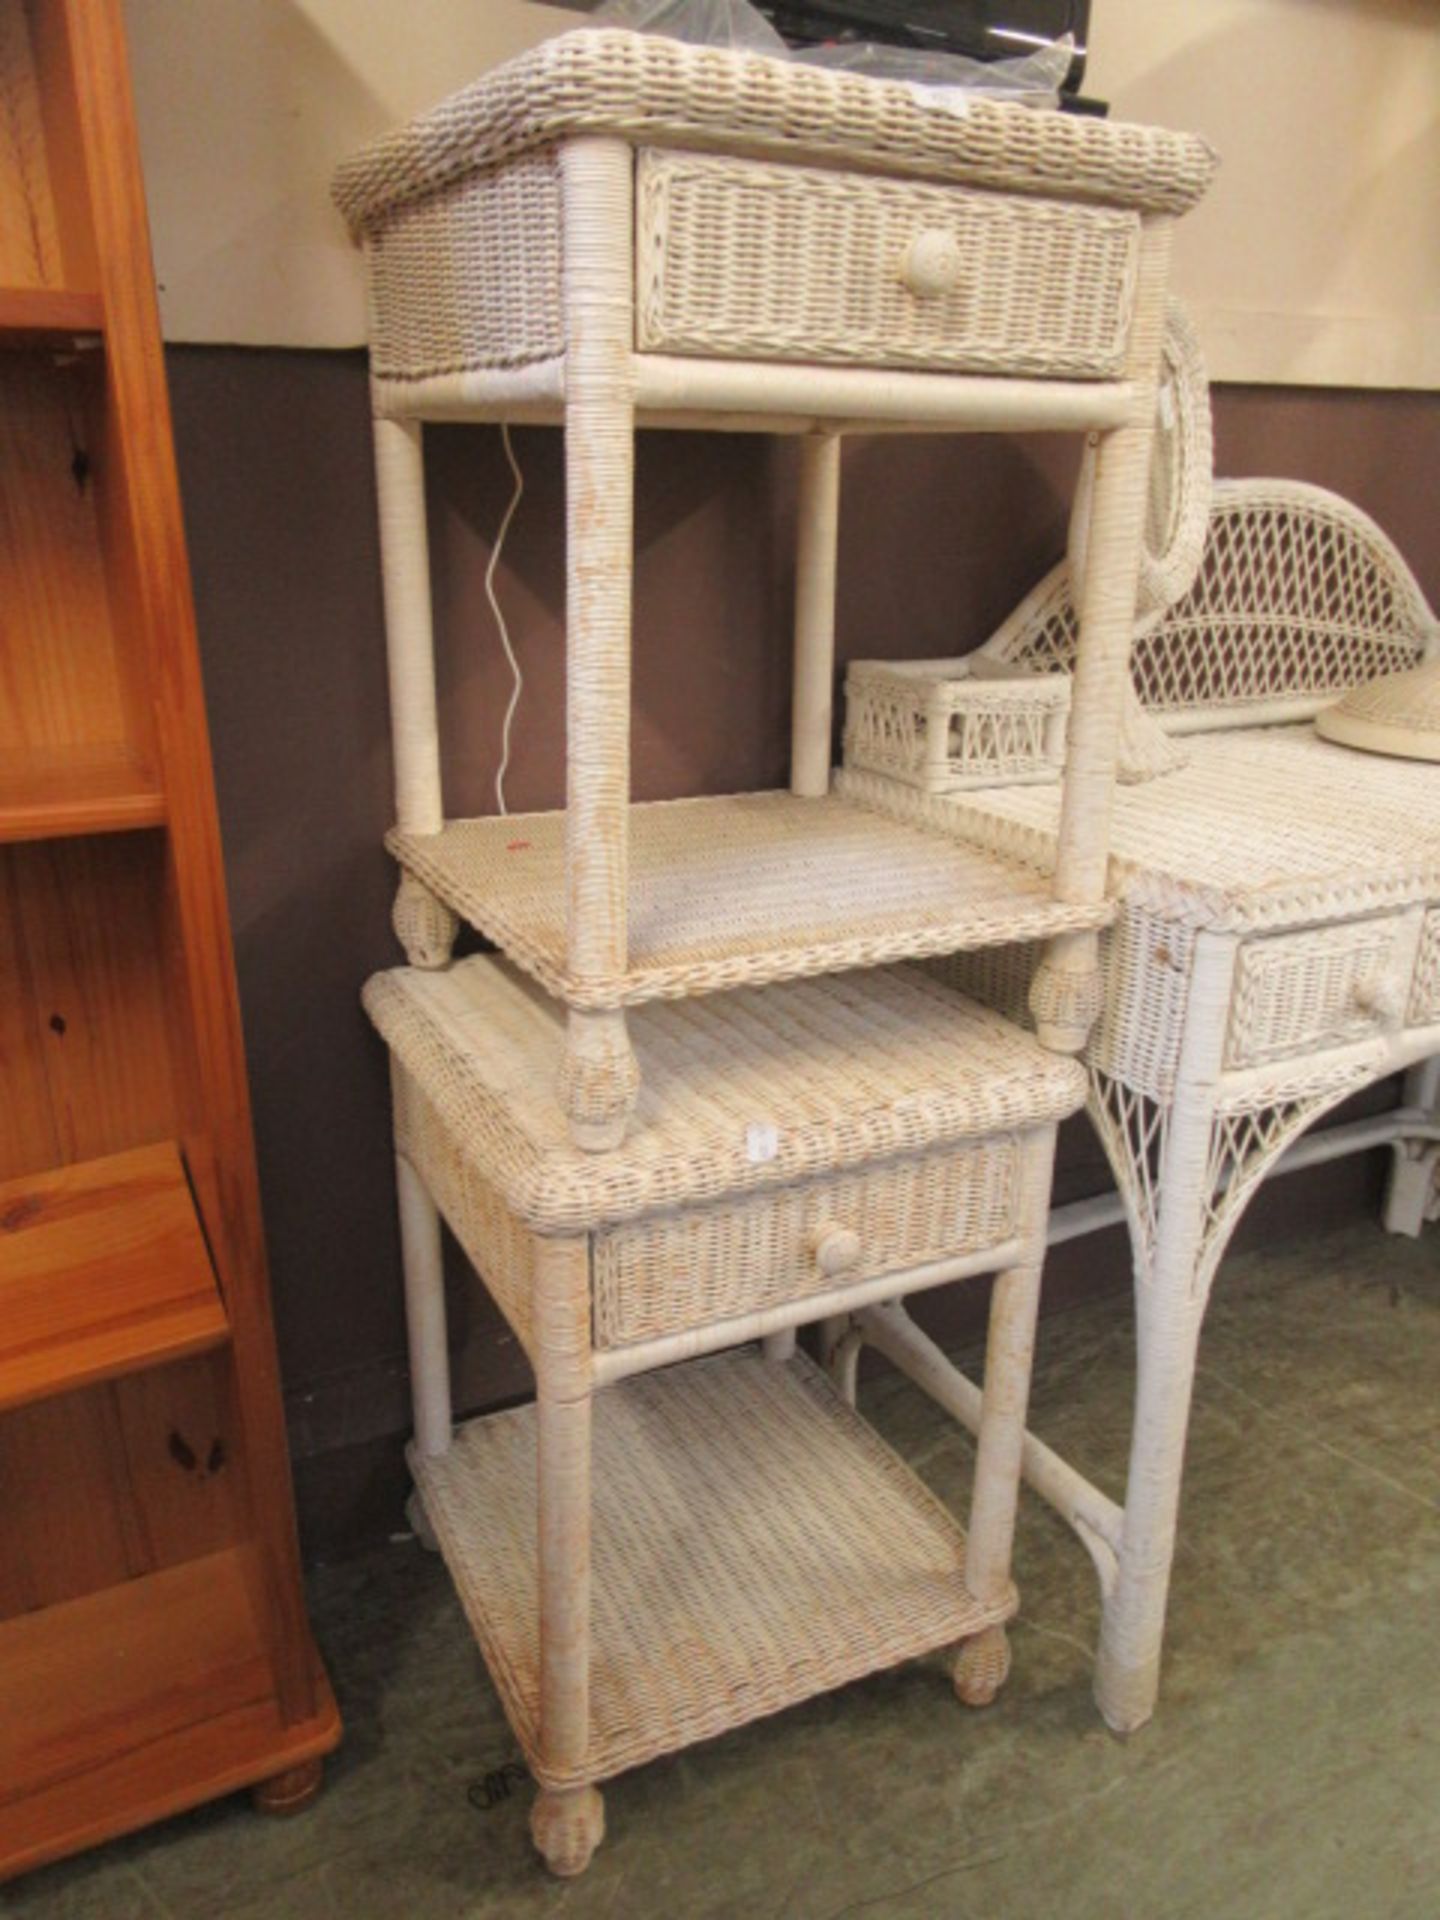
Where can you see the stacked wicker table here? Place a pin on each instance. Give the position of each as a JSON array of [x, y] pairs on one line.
[[702, 1096]]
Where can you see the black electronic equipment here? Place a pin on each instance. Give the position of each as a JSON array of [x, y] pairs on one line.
[[980, 29]]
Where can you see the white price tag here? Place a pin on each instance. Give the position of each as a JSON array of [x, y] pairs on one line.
[[762, 1142]]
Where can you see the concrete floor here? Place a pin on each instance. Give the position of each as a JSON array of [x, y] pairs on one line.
[[1293, 1770]]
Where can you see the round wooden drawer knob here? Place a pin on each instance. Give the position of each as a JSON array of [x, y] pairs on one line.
[[836, 1249], [932, 263]]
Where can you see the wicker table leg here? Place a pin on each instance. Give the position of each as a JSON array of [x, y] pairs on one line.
[[599, 1081], [983, 1664], [567, 1823], [1411, 1193]]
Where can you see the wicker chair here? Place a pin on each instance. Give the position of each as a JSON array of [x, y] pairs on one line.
[[1278, 947]]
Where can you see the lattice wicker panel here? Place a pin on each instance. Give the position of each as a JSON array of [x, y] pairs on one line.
[[1298, 594], [933, 726], [1425, 994]]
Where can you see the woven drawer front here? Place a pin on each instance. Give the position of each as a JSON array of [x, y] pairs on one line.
[[469, 277], [1303, 992], [741, 259], [1425, 994], [691, 1269]]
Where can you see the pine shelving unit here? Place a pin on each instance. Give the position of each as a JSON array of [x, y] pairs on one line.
[[154, 1649]]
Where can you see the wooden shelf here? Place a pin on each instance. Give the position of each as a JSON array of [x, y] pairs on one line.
[[34, 316], [741, 890], [103, 1270], [135, 1702], [54, 792]]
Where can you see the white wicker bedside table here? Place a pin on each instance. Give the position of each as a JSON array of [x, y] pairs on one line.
[[709, 1105], [1278, 948]]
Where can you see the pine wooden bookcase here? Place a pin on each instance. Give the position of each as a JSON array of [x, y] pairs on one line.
[[154, 1648]]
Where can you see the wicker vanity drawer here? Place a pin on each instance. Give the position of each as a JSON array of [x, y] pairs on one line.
[[744, 259], [1425, 992], [1304, 992], [693, 1268]]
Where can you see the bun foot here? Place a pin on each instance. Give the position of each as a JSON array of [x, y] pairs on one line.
[[567, 1824], [982, 1667], [291, 1791]]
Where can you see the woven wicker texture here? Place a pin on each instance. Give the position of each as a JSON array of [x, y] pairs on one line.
[[748, 260], [744, 1091], [707, 1264], [1265, 827], [1425, 999], [941, 726], [470, 276], [754, 1544], [649, 87], [1299, 593], [738, 891], [498, 1245], [1307, 992], [1399, 713]]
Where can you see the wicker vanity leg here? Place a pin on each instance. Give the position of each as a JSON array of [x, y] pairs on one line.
[[1171, 1287], [425, 926], [1411, 1194], [983, 1664], [599, 1080], [567, 1823]]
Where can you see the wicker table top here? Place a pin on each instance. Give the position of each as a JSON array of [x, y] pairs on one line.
[[739, 1091], [660, 90], [1264, 827], [754, 1544], [739, 891]]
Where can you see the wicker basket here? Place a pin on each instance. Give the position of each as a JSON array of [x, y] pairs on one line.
[[944, 725]]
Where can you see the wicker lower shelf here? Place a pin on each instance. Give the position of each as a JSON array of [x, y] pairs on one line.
[[754, 1543], [740, 891]]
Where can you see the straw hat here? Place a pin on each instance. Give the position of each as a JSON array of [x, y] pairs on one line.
[[1399, 713]]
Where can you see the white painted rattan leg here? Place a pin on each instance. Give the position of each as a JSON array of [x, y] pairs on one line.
[[984, 1662], [1132, 1627], [1410, 1194], [812, 716], [567, 1821], [420, 1253], [779, 1346], [597, 186], [409, 633], [425, 927], [833, 1330]]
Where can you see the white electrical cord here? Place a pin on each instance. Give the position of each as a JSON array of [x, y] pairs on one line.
[[517, 678]]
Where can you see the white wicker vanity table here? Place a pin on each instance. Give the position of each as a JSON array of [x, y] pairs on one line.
[[702, 1099], [1278, 948]]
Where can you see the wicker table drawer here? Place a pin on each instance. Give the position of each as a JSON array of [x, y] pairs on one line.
[[743, 259], [1304, 992], [1425, 991], [693, 1268]]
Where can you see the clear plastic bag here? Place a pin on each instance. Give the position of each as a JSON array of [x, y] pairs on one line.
[[940, 79], [705, 23], [949, 79]]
